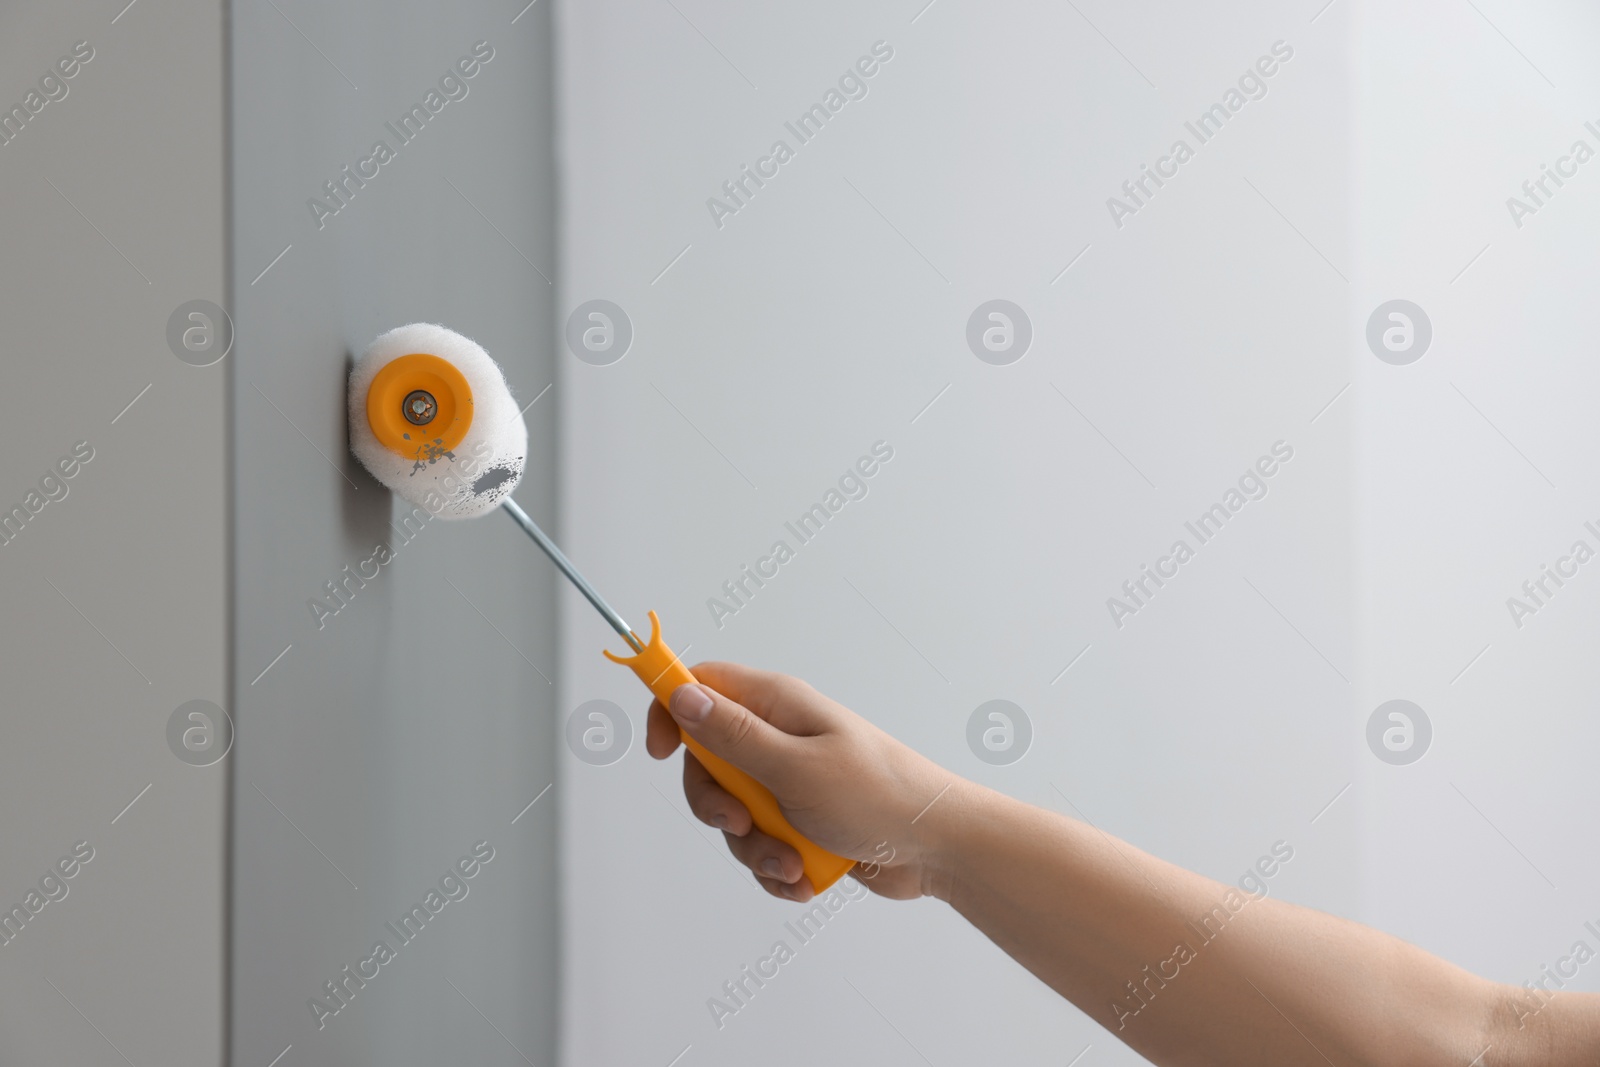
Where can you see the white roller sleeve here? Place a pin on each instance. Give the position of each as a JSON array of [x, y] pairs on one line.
[[478, 473]]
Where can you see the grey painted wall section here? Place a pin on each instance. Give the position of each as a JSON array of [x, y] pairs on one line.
[[387, 741], [114, 594]]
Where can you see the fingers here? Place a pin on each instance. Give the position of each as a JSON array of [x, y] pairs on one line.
[[730, 730], [799, 892], [758, 721], [776, 865], [710, 803], [786, 702], [755, 689], [661, 732], [769, 859]]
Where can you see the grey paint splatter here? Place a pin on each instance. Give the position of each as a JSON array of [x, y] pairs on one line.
[[493, 479]]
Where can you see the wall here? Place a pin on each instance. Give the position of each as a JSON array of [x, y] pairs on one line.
[[829, 312], [392, 736], [115, 593], [768, 353], [1473, 466]]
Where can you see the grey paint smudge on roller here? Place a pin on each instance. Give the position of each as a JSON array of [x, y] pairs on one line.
[[493, 479]]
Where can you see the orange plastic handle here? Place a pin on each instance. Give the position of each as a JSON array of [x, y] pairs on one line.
[[660, 669]]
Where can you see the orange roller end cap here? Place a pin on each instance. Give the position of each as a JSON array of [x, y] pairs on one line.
[[417, 401]]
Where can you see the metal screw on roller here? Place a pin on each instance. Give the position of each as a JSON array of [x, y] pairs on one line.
[[419, 407]]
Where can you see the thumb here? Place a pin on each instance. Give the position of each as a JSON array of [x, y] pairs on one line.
[[730, 730]]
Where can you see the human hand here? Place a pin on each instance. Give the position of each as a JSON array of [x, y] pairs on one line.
[[839, 780]]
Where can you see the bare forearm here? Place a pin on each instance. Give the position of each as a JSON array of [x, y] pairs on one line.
[[1183, 969], [1189, 971]]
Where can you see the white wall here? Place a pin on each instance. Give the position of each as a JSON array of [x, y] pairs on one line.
[[1474, 470], [1226, 315]]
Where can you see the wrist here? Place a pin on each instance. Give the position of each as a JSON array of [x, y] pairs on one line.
[[945, 830]]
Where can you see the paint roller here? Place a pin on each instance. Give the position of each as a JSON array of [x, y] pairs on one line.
[[432, 418]]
